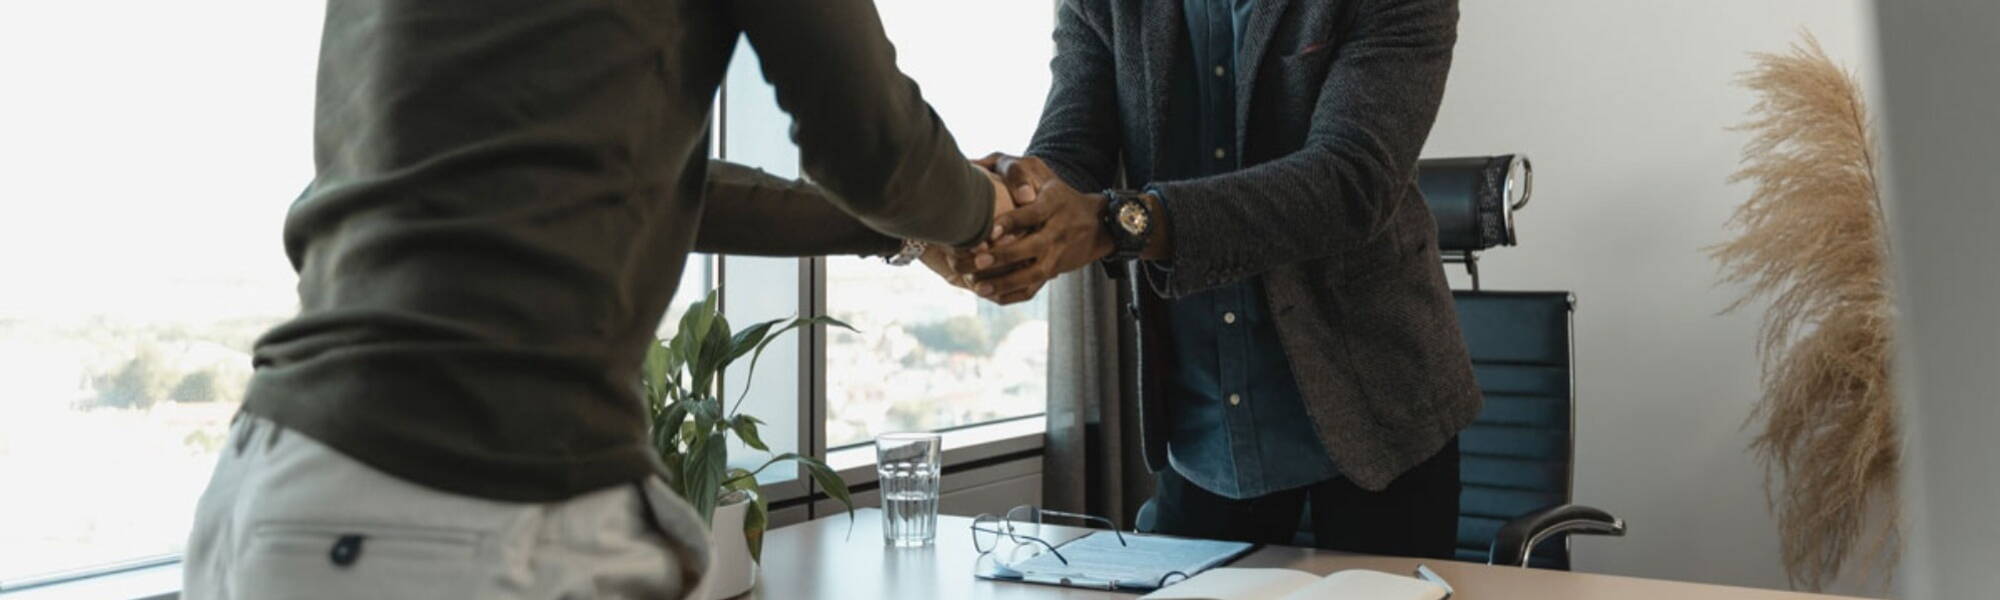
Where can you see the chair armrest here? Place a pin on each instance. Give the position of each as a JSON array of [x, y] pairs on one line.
[[1518, 538]]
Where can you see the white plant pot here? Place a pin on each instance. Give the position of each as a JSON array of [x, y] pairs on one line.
[[735, 572]]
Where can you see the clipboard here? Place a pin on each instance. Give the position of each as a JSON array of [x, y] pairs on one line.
[[1147, 563]]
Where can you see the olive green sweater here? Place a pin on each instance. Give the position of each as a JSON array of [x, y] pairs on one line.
[[506, 192]]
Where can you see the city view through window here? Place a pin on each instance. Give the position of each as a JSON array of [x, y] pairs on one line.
[[928, 355]]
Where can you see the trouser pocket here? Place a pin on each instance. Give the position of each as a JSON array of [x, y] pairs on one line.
[[283, 560]]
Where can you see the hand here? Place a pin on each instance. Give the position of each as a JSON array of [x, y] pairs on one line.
[[952, 264], [1024, 175], [1059, 232], [955, 264], [1003, 200]]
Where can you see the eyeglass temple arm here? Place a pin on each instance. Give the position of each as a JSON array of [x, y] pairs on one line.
[[1045, 544], [1092, 518]]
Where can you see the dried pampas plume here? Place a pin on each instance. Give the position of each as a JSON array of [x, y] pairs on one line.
[[1811, 240]]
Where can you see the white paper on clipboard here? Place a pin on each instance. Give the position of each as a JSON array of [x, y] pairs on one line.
[[1142, 563]]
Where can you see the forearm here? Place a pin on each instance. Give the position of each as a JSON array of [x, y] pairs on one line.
[[863, 130], [1306, 205], [1346, 182], [749, 212], [1078, 136]]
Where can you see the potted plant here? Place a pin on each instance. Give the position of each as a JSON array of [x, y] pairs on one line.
[[690, 430]]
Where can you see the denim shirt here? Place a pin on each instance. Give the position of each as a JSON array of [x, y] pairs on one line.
[[1238, 427]]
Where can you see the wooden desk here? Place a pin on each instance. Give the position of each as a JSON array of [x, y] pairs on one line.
[[825, 559]]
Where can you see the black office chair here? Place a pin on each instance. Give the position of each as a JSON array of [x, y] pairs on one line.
[[1517, 459]]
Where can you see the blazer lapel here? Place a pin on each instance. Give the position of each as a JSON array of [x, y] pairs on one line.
[[1256, 37], [1165, 26]]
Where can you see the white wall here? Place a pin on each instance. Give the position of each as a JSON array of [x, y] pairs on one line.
[[1622, 105], [1944, 199]]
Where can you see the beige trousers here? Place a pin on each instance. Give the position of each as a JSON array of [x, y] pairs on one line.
[[286, 517]]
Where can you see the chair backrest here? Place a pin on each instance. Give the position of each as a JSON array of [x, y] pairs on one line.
[[1473, 198], [1517, 455]]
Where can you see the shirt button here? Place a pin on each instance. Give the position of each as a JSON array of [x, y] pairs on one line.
[[1219, 153], [1219, 71], [1235, 399], [1229, 317]]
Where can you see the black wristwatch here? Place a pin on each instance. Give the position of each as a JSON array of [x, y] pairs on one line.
[[1129, 221]]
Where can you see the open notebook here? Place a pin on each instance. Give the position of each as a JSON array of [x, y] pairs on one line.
[[1287, 584]]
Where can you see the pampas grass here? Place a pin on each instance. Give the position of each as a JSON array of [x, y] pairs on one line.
[[1811, 240]]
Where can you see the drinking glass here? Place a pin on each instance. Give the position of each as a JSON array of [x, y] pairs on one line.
[[906, 465]]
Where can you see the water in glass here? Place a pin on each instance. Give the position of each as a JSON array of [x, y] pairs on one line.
[[907, 464]]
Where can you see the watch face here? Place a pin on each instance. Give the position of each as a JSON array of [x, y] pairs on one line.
[[1132, 217]]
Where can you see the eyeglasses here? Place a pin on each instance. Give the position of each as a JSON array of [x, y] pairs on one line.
[[1022, 526]]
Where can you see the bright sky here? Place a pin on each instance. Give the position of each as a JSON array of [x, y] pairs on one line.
[[983, 65], [149, 142]]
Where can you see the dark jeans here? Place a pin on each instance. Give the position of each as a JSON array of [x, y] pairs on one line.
[[1417, 516]]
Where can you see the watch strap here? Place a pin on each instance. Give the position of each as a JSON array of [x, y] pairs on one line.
[[911, 251]]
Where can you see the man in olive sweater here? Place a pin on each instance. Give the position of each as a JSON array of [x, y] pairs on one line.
[[505, 195]]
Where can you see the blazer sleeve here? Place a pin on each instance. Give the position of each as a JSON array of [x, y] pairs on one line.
[[864, 132], [1078, 136], [750, 212], [1374, 111]]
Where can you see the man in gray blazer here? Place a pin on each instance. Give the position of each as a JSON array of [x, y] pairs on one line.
[[506, 192], [1298, 342]]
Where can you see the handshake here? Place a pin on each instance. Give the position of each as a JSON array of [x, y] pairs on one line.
[[1042, 228]]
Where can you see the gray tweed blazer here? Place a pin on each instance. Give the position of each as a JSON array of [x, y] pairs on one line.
[[1335, 99]]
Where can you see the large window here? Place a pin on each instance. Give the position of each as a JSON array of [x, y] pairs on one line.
[[150, 159], [928, 355], [150, 152]]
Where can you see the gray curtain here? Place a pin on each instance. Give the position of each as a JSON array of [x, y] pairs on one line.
[[1092, 461]]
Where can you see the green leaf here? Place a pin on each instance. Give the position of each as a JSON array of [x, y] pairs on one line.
[[759, 352], [717, 462], [714, 355], [697, 451], [703, 473], [788, 456], [655, 373], [675, 360], [830, 481], [736, 479], [750, 338], [695, 323], [698, 410], [825, 476], [691, 339], [669, 427], [673, 471], [667, 430], [707, 414], [832, 322], [758, 518], [745, 427]]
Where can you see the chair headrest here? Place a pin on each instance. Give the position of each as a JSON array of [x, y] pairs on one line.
[[1473, 198]]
